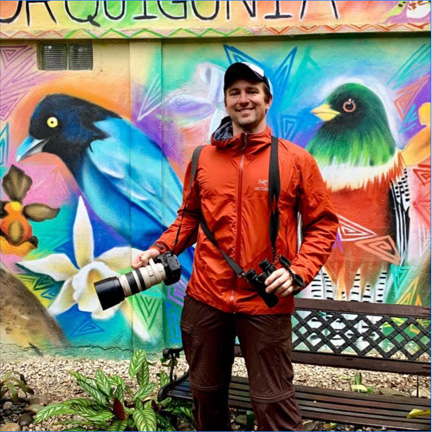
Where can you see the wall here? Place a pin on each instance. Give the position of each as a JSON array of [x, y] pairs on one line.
[[155, 92]]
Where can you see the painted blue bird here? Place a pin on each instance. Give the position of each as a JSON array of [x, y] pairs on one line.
[[124, 175]]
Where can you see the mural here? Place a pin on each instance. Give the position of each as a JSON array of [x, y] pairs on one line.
[[176, 19], [92, 162]]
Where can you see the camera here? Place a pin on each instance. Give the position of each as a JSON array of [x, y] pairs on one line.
[[113, 290], [257, 281]]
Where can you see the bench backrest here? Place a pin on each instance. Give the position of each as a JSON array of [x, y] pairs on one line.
[[361, 335]]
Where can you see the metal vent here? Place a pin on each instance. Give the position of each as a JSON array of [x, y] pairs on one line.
[[81, 56], [54, 57], [67, 56]]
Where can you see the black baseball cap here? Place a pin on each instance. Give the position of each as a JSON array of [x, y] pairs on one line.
[[247, 71]]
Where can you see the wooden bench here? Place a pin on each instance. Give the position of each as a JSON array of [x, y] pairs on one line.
[[353, 335]]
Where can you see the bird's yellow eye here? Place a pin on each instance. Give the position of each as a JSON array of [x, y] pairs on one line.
[[52, 122], [349, 106]]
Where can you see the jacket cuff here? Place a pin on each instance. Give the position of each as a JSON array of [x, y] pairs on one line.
[[299, 288], [160, 247]]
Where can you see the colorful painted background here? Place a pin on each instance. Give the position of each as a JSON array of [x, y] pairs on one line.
[[105, 177], [179, 19]]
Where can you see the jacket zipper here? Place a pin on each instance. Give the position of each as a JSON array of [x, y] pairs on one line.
[[239, 210]]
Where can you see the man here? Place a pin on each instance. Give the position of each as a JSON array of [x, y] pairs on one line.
[[230, 192]]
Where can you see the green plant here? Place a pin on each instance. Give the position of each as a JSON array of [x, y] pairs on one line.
[[13, 382], [418, 413], [172, 409], [358, 385], [113, 406]]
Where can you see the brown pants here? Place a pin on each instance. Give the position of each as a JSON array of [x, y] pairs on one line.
[[265, 341]]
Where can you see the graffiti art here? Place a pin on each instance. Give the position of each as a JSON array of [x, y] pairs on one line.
[[93, 161]]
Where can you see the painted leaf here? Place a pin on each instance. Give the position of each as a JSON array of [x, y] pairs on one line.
[[21, 384], [129, 411], [418, 413], [143, 376], [93, 391], [131, 424], [116, 380], [165, 402], [6, 377], [145, 419], [137, 362], [79, 401], [39, 212], [76, 422], [182, 410], [119, 410], [52, 410], [358, 379], [94, 415], [100, 417], [359, 388], [103, 383], [16, 183], [80, 376], [118, 425], [163, 378], [163, 423], [13, 391], [119, 393], [144, 391]]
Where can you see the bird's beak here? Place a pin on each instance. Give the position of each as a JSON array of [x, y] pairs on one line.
[[325, 113], [29, 147]]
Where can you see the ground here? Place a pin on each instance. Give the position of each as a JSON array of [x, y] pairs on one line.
[[50, 378]]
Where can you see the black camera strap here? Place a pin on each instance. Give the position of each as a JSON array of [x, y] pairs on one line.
[[238, 270], [195, 158], [274, 192]]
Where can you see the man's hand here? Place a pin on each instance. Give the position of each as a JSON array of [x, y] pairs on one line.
[[281, 282], [142, 259]]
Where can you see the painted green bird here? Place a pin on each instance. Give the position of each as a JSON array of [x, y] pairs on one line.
[[368, 184]]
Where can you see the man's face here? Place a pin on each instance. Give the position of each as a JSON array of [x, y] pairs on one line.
[[246, 104]]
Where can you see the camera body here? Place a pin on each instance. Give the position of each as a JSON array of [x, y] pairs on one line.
[[113, 290], [171, 266], [258, 282]]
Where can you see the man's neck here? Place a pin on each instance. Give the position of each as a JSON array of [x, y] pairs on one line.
[[253, 131]]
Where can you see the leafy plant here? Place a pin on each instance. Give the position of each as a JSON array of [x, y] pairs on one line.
[[358, 385], [418, 413], [113, 406], [13, 382]]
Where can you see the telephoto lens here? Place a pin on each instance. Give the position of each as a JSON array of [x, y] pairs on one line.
[[113, 290]]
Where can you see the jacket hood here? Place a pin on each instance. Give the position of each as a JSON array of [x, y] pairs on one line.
[[223, 137]]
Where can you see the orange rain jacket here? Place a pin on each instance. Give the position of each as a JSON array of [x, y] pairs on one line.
[[230, 190]]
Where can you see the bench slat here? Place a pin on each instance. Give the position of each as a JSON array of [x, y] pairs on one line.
[[333, 415], [336, 405], [363, 363], [357, 409], [404, 401]]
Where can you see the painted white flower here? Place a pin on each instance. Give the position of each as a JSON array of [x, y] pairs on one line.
[[78, 282]]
